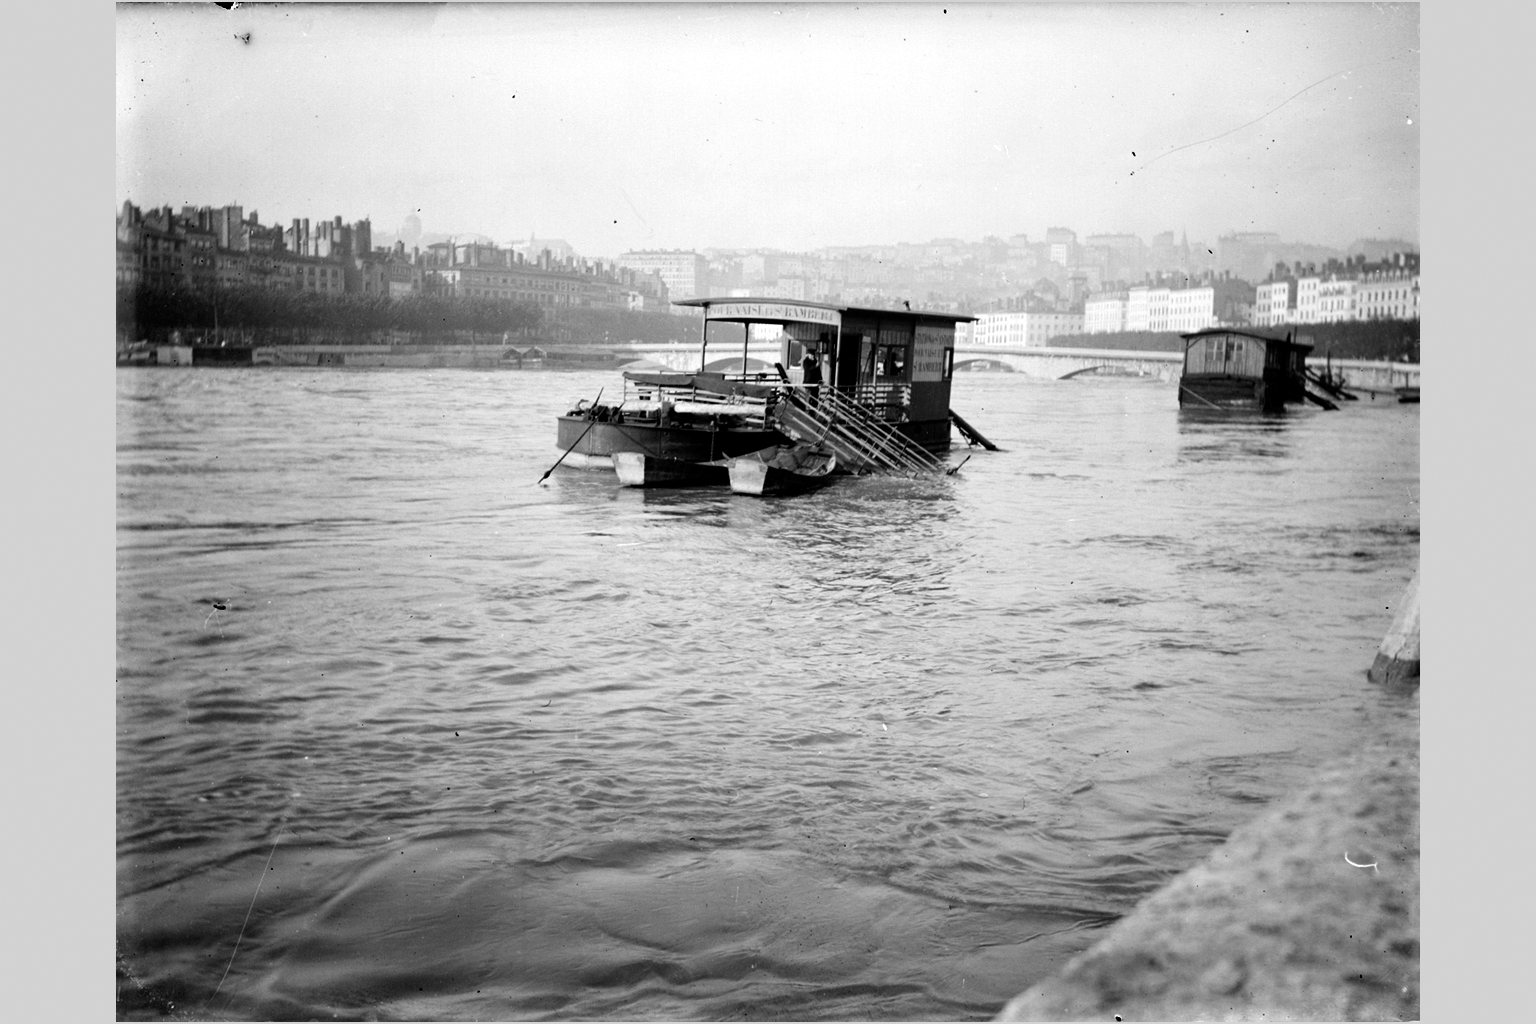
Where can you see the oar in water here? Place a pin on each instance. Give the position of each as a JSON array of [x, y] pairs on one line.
[[572, 448]]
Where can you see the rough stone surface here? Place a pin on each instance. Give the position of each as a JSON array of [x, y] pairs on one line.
[[1397, 661], [1276, 924]]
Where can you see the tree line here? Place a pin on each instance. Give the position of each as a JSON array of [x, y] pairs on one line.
[[150, 310], [618, 326], [262, 316], [1392, 340]]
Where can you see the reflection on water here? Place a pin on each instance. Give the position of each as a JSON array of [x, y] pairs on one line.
[[1236, 435], [891, 750]]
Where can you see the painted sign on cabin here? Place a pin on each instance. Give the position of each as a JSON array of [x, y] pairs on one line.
[[787, 311], [928, 351]]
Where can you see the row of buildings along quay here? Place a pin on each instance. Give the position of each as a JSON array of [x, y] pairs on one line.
[[208, 247], [1024, 292]]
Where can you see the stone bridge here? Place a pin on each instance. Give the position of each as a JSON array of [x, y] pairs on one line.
[[1034, 362], [1050, 363], [1061, 363]]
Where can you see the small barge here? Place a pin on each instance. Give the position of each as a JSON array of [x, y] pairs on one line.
[[1229, 368]]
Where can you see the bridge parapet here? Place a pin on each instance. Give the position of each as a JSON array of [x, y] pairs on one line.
[[1369, 373]]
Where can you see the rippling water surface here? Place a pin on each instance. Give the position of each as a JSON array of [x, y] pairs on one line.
[[402, 734]]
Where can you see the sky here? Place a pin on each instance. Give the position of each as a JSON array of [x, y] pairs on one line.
[[793, 127]]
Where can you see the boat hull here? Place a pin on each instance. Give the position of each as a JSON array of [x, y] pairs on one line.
[[636, 469], [1226, 391], [931, 434], [780, 471], [599, 440]]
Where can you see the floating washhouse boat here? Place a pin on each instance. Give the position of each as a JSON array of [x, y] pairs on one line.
[[882, 403], [1228, 368]]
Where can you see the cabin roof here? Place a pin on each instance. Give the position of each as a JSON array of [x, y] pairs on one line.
[[721, 300], [1271, 339]]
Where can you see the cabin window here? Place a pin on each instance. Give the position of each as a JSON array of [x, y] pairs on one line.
[[949, 363], [890, 362]]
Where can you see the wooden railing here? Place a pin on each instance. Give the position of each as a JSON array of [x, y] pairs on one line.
[[658, 401]]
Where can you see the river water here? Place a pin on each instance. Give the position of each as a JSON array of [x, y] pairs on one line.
[[403, 734]]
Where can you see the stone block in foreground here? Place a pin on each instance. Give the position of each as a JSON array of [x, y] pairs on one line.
[[1276, 924], [1397, 660]]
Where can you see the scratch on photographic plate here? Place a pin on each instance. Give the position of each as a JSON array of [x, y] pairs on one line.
[[1266, 113]]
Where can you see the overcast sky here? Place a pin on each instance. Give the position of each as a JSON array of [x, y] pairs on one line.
[[794, 127]]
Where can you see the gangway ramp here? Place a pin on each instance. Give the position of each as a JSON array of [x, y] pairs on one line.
[[862, 441]]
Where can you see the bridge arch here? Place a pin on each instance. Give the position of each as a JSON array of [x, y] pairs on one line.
[[732, 364], [983, 363], [1064, 363]]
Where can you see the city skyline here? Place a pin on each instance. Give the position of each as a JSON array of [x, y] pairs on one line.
[[793, 128]]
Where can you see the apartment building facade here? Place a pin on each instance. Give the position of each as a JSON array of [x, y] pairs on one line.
[[1307, 299], [1148, 308], [1388, 295], [476, 270], [1335, 300], [684, 272], [1023, 329], [1104, 313], [1352, 290], [1275, 303]]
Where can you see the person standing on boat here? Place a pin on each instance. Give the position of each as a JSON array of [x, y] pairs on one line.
[[811, 370]]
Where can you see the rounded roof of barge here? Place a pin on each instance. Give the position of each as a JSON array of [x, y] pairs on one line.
[[754, 300], [1284, 339]]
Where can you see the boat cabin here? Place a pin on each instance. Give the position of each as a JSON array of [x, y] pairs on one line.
[[897, 363], [1227, 367]]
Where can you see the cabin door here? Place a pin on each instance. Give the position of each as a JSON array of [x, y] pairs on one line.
[[846, 368]]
